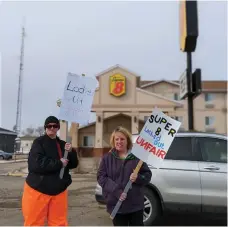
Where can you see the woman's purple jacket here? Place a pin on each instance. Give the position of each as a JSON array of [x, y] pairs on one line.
[[114, 174]]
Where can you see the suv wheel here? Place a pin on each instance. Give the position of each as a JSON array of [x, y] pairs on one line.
[[1, 158], [152, 208]]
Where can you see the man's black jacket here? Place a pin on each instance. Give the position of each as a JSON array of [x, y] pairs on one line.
[[44, 166]]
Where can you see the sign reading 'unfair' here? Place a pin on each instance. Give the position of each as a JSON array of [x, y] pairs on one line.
[[154, 140], [77, 98]]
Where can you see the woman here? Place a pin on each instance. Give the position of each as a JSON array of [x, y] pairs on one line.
[[45, 194], [115, 170]]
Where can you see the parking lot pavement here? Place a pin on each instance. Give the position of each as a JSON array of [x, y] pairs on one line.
[[12, 161], [83, 209], [11, 166], [191, 220]]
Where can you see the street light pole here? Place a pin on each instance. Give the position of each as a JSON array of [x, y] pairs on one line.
[[190, 95], [189, 82]]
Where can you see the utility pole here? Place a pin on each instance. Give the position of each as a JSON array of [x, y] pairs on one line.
[[190, 96], [19, 94]]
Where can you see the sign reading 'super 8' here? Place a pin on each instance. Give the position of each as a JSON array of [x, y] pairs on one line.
[[117, 84]]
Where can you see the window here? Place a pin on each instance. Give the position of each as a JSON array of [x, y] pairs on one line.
[[176, 96], [178, 118], [180, 149], [213, 149], [88, 141], [209, 121], [208, 97]]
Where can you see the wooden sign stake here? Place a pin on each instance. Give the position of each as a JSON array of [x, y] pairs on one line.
[[68, 140], [126, 189]]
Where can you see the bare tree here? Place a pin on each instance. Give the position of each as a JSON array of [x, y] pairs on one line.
[[40, 130], [29, 131]]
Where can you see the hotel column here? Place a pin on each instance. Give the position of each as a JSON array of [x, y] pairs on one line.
[[74, 134], [98, 148], [134, 123], [99, 131], [63, 130]]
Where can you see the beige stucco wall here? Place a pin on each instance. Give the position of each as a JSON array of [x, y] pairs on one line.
[[146, 98], [165, 89], [111, 124], [201, 111], [108, 127], [218, 111], [87, 131], [200, 108]]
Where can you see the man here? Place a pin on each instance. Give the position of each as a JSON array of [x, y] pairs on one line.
[[45, 194]]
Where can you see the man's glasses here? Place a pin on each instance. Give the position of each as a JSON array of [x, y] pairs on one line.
[[50, 126]]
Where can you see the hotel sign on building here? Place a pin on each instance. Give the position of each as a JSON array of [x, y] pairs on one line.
[[117, 84]]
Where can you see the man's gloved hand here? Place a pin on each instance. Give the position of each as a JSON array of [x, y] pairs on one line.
[[64, 161]]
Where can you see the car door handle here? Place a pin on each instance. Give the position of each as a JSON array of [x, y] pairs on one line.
[[212, 168]]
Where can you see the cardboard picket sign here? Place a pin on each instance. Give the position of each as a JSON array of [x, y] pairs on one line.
[[77, 98], [76, 102], [152, 144], [155, 138]]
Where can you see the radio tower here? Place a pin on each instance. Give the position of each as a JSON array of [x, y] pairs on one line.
[[19, 95]]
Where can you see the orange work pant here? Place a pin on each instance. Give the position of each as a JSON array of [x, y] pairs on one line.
[[38, 207]]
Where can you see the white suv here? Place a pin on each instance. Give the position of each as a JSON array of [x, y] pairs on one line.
[[192, 178]]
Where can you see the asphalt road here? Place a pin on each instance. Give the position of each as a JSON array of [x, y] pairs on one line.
[[191, 220], [9, 166], [83, 209]]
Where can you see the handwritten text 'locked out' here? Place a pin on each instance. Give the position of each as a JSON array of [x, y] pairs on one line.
[[80, 92]]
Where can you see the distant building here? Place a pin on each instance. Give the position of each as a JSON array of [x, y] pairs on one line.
[[7, 140], [26, 143]]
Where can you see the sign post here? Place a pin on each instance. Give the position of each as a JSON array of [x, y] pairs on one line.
[[68, 140], [76, 103], [183, 85], [188, 38], [152, 144], [126, 189]]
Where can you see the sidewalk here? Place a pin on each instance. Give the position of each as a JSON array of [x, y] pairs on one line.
[[12, 161], [18, 173], [23, 172]]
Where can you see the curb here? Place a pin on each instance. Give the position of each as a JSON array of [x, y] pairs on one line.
[[19, 173], [12, 161], [16, 174]]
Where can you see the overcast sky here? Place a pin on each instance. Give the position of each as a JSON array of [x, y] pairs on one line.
[[89, 37]]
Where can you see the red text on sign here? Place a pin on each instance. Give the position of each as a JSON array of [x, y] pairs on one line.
[[151, 148]]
